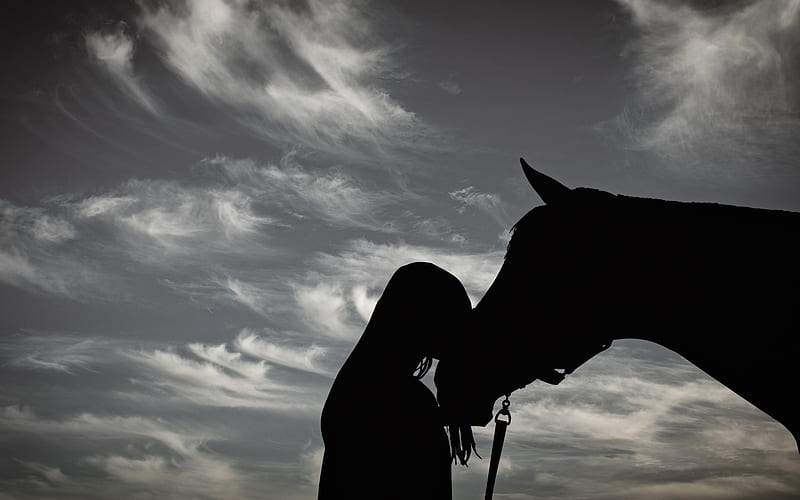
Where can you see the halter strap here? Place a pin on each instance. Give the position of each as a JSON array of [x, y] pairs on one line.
[[501, 422]]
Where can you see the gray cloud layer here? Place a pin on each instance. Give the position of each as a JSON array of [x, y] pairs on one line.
[[173, 319]]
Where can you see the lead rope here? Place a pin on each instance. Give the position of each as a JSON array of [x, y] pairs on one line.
[[501, 422]]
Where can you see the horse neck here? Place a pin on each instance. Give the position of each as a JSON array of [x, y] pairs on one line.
[[713, 283], [721, 296], [679, 268]]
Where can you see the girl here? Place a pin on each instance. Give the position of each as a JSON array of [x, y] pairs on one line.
[[383, 435]]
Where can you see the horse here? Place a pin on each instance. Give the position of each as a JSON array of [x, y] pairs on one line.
[[715, 283]]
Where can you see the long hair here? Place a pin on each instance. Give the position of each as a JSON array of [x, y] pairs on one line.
[[462, 443], [420, 301]]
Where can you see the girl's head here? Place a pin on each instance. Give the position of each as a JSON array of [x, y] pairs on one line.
[[419, 316]]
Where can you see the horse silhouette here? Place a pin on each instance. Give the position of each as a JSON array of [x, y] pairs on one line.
[[717, 284]]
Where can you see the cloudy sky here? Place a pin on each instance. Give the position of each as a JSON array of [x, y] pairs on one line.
[[201, 201]]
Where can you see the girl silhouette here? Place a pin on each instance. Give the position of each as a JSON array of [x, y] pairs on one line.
[[383, 435]]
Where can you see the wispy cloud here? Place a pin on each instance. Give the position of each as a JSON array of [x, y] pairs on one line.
[[194, 420], [186, 469], [326, 309], [336, 297], [490, 203], [18, 221], [207, 383], [157, 218], [312, 461], [263, 292], [173, 436], [233, 361], [217, 225], [56, 353], [35, 253], [306, 358], [248, 372], [450, 87], [247, 294], [229, 207], [308, 73], [52, 475], [63, 247], [437, 228], [238, 375], [112, 49], [330, 196], [715, 85], [18, 270]]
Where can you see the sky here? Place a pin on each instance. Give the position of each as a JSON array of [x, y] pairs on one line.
[[201, 201]]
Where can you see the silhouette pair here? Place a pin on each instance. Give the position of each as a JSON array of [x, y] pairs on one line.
[[383, 431], [712, 282]]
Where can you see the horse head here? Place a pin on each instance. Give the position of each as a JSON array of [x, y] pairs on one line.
[[588, 267], [523, 329]]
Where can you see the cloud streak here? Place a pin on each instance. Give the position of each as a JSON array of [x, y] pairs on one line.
[[300, 358], [36, 253], [113, 50], [307, 73], [490, 203], [330, 196], [60, 354], [157, 218], [181, 466], [229, 207], [215, 231], [249, 372], [225, 380], [716, 85], [266, 372]]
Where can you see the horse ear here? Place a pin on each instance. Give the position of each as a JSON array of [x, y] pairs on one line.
[[548, 189]]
